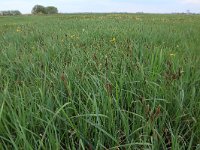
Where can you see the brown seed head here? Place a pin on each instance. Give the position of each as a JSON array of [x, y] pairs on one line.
[[62, 77], [157, 113], [108, 87]]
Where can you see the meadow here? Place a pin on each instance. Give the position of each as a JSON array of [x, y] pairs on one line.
[[100, 81]]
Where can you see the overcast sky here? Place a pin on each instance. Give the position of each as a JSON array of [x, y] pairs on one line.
[[69, 6]]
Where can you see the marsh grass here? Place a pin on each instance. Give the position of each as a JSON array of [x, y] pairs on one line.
[[104, 81]]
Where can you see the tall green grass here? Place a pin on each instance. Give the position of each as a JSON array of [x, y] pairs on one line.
[[101, 81]]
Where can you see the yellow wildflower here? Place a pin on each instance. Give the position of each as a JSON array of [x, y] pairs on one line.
[[113, 40], [181, 71], [172, 54], [72, 36]]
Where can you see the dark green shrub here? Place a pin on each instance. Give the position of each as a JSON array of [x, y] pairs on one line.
[[39, 9], [51, 10], [10, 13]]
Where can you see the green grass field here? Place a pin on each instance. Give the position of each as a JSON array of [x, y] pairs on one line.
[[100, 81]]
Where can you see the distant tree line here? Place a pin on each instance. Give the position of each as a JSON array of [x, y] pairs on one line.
[[10, 13], [39, 9]]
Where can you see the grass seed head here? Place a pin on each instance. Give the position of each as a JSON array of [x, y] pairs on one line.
[[109, 88], [62, 77]]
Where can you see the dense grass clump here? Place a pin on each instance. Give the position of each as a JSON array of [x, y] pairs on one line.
[[101, 81]]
